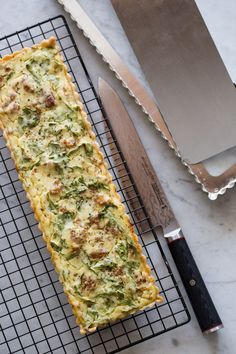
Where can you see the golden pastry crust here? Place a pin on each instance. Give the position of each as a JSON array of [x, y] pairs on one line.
[[91, 240]]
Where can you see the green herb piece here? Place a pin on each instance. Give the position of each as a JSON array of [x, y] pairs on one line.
[[132, 265], [79, 203], [122, 250], [34, 164], [53, 205], [63, 218], [54, 147], [73, 151], [77, 181], [68, 215], [89, 149], [117, 292], [104, 212], [58, 158], [75, 192], [76, 187], [31, 69], [72, 255], [98, 185], [56, 247], [78, 127], [58, 66], [113, 220], [104, 264], [38, 66], [129, 302], [56, 154], [29, 119], [131, 245], [9, 76], [59, 169]]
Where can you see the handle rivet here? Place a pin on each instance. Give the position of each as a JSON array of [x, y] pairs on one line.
[[192, 282]]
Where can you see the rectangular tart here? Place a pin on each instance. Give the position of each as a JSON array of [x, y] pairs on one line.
[[91, 240]]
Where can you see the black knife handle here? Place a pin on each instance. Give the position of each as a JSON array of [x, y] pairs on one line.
[[198, 294]]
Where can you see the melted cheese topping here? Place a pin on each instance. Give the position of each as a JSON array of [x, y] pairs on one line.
[[91, 240]]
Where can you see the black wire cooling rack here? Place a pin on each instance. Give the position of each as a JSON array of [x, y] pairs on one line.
[[34, 314]]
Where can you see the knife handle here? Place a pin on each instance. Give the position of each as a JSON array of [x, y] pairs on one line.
[[195, 287]]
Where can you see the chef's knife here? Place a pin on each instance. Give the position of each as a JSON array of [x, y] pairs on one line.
[[158, 207]]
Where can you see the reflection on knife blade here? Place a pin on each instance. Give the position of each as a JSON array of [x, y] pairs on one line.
[[127, 187]]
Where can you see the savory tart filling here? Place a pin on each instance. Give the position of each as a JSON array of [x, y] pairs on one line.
[[91, 240]]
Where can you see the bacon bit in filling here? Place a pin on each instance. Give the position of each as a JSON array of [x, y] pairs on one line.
[[63, 210], [140, 280], [94, 220], [68, 142], [28, 86], [49, 101], [88, 283], [99, 239], [113, 230], [57, 188], [117, 271], [12, 107], [77, 239], [12, 95], [98, 254]]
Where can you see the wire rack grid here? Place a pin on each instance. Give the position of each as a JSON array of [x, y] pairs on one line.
[[35, 316]]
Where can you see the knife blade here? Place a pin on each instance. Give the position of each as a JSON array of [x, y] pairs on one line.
[[185, 72], [158, 207]]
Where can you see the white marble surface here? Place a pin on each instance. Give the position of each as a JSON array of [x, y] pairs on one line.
[[210, 227]]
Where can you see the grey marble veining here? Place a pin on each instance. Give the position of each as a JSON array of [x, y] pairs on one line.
[[210, 227]]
